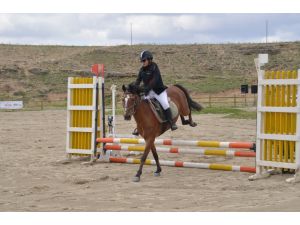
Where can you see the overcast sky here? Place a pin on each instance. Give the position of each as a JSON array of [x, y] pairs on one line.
[[114, 29]]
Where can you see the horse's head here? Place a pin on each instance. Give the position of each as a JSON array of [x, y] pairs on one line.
[[130, 100]]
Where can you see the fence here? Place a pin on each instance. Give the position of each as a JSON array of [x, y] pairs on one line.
[[208, 101], [234, 101]]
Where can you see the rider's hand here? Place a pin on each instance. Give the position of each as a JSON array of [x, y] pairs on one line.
[[147, 90]]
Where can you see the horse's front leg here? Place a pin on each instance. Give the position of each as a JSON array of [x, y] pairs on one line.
[[143, 159]]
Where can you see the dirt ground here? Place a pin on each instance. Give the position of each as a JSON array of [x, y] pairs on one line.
[[32, 179]]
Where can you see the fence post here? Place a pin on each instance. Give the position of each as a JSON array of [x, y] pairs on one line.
[[234, 101], [209, 99], [42, 105], [254, 100], [245, 100]]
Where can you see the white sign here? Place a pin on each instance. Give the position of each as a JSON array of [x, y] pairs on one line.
[[263, 58], [11, 104]]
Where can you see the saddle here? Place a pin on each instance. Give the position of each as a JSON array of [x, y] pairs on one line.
[[158, 110]]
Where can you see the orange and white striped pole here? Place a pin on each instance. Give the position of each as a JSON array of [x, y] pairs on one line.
[[219, 152], [211, 166], [213, 144]]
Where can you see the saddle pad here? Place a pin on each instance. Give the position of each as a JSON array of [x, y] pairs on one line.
[[159, 111]]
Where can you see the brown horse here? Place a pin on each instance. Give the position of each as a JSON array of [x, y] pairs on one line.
[[148, 125]]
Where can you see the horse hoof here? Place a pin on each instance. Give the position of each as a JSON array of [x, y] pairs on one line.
[[136, 179], [156, 174], [193, 124]]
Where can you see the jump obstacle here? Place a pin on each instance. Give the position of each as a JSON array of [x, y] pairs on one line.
[[198, 151], [81, 132], [278, 121], [278, 128]]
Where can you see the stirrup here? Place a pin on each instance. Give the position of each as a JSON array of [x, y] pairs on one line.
[[135, 132]]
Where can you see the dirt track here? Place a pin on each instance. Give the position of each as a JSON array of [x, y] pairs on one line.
[[31, 143]]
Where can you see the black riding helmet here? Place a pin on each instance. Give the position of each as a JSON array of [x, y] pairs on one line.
[[146, 55]]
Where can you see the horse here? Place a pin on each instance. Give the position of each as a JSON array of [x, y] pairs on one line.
[[148, 126]]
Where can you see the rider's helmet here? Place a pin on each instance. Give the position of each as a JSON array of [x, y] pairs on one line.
[[146, 55]]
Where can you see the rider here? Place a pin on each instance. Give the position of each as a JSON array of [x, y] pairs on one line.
[[154, 88]]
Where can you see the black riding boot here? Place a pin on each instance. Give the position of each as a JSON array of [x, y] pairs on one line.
[[169, 119]]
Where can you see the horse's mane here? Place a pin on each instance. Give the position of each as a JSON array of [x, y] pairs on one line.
[[134, 89]]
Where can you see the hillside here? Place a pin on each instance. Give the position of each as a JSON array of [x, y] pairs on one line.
[[34, 72]]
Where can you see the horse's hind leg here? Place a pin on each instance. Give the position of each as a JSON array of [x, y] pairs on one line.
[[184, 121], [155, 156], [191, 122], [143, 159]]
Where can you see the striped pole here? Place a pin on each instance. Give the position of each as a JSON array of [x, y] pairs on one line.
[[187, 151], [211, 166], [214, 144]]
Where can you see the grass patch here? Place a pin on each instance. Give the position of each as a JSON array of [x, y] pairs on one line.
[[229, 112], [232, 113], [212, 83]]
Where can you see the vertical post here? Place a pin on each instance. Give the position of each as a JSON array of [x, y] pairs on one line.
[[254, 99], [96, 116], [68, 139], [259, 122], [234, 101], [103, 103], [209, 100], [297, 146], [95, 70], [262, 59], [113, 106], [296, 177]]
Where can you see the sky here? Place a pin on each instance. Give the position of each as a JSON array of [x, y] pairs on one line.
[[115, 29]]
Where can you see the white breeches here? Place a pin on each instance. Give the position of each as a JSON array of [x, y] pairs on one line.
[[162, 98]]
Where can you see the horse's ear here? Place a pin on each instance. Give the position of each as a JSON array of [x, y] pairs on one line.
[[123, 87]]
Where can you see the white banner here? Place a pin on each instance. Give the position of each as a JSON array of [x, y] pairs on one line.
[[11, 104]]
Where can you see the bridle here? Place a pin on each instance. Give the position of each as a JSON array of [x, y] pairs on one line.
[[132, 109]]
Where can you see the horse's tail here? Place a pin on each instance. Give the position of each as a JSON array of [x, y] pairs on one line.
[[192, 104]]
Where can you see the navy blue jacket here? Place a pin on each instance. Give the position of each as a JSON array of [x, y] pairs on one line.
[[151, 77]]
